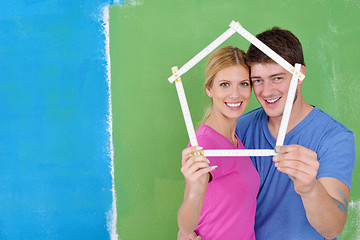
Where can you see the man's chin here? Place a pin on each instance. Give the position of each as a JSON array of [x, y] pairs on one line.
[[273, 113]]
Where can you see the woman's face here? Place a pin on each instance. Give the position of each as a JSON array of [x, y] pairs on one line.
[[230, 92]]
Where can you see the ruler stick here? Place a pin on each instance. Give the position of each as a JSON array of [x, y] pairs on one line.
[[201, 55], [239, 152], [236, 27], [265, 49], [185, 109], [288, 106]]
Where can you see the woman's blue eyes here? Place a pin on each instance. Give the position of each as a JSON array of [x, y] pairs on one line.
[[224, 84], [227, 84]]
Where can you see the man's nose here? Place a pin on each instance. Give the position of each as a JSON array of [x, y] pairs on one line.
[[267, 88]]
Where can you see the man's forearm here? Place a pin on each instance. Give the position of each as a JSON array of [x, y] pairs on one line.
[[325, 213]]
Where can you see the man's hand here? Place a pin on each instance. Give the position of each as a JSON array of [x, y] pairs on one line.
[[325, 199], [300, 164]]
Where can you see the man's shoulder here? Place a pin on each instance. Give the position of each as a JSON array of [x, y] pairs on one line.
[[325, 120]]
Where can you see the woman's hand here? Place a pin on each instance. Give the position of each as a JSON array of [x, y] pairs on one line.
[[195, 169]]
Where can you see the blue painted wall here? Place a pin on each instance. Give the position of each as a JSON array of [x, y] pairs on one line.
[[55, 180]]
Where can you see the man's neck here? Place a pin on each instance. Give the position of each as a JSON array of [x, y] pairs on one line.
[[299, 111]]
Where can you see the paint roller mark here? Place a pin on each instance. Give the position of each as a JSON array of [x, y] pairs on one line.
[[333, 28], [352, 227], [128, 3], [329, 69]]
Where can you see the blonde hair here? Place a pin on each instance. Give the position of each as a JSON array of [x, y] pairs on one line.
[[222, 58]]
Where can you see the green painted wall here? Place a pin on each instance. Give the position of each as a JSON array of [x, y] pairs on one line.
[[148, 37]]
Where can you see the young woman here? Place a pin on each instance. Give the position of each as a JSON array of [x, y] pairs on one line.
[[220, 200]]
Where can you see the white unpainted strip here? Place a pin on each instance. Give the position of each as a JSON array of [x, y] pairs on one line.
[[128, 3], [112, 213]]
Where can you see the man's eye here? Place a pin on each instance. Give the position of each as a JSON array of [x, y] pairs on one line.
[[256, 81]]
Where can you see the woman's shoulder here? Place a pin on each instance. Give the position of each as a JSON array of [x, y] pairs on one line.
[[207, 137]]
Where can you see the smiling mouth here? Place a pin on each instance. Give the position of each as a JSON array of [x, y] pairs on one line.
[[233, 104], [272, 100]]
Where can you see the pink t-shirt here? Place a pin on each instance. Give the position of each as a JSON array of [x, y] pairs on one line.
[[229, 206]]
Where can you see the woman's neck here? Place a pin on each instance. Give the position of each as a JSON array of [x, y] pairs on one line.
[[224, 126]]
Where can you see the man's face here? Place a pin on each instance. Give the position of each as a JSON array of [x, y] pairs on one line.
[[271, 84]]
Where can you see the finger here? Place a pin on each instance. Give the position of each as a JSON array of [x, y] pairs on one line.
[[188, 151], [295, 148], [297, 160], [189, 162], [306, 177], [201, 172], [299, 177], [189, 170], [304, 155], [292, 167]]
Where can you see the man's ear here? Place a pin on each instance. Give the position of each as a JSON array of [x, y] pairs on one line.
[[302, 70], [208, 91]]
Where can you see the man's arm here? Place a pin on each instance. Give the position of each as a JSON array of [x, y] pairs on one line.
[[326, 206], [325, 200]]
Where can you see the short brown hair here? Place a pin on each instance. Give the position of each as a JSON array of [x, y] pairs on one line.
[[282, 41]]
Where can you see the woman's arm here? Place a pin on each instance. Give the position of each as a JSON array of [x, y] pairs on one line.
[[196, 172]]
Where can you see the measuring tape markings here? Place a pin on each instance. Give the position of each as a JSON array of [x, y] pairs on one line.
[[238, 152], [201, 55], [265, 49], [185, 109], [288, 106]]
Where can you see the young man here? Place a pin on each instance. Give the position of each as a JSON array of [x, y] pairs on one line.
[[304, 190]]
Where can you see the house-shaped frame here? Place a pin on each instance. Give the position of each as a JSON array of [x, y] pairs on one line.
[[295, 70]]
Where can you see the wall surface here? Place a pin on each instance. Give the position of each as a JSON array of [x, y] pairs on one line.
[[55, 147], [148, 37], [55, 110]]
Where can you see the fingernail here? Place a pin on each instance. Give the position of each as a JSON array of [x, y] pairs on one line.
[[275, 158], [214, 166], [207, 160], [199, 148], [277, 149]]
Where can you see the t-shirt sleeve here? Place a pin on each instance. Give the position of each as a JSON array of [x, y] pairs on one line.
[[208, 141], [337, 156]]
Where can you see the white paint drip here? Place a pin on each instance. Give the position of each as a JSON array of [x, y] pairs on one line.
[[112, 213]]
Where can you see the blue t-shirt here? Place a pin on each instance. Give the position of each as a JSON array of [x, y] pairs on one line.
[[280, 213]]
